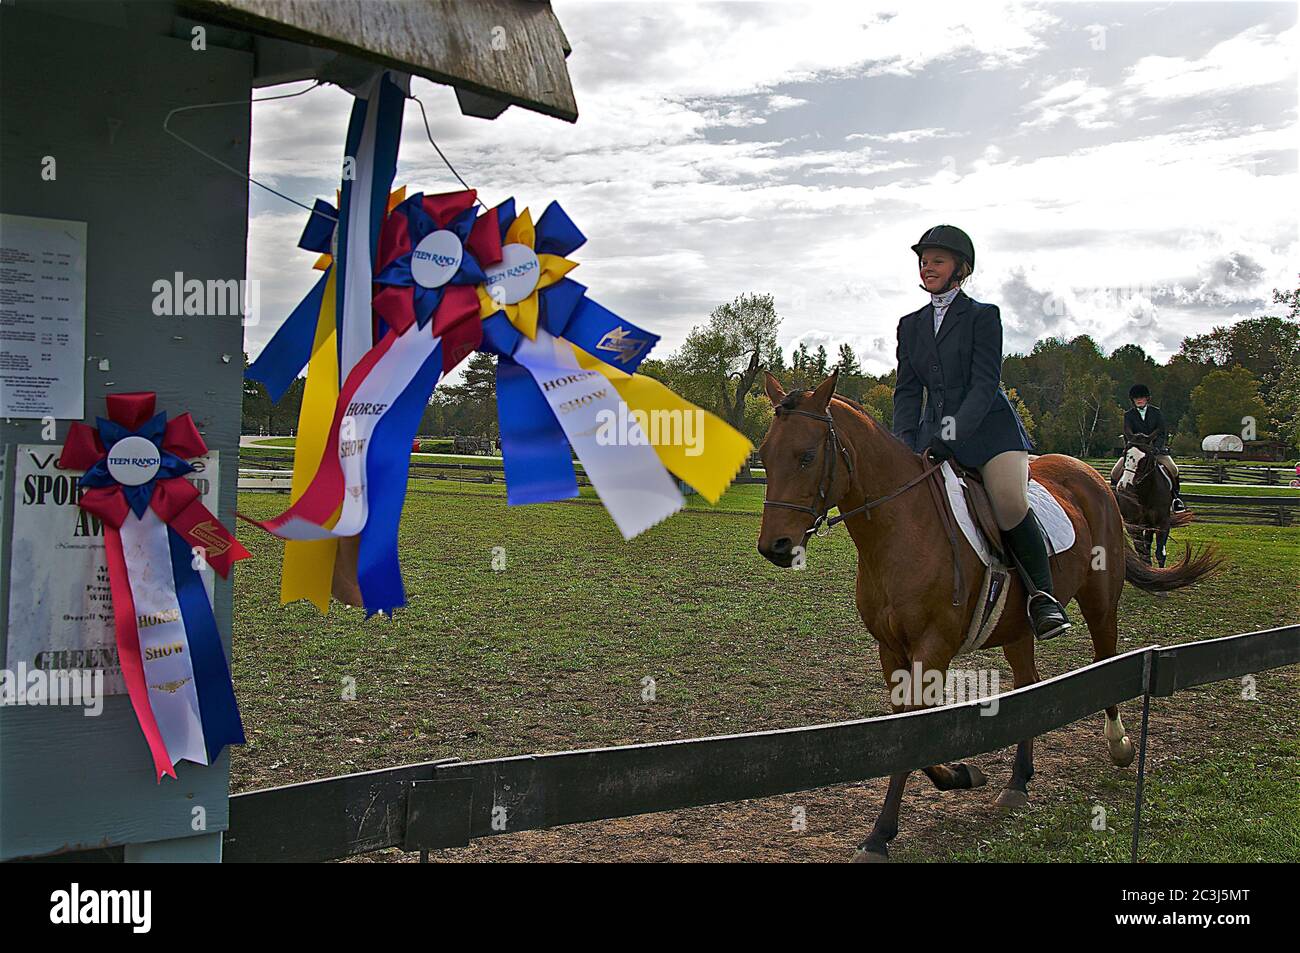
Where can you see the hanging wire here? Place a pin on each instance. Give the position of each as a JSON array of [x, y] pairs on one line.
[[243, 175], [429, 133]]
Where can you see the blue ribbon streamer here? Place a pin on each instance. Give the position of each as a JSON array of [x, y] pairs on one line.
[[390, 101], [218, 710], [535, 450], [289, 350], [387, 471], [591, 325], [318, 234]]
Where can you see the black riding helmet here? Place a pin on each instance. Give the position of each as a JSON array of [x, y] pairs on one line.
[[950, 237], [1139, 390]]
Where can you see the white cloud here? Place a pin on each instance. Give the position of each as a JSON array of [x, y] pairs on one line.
[[1074, 99], [1251, 59], [687, 200], [903, 135], [776, 103]]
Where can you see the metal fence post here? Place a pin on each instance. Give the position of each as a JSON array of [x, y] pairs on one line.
[[1147, 663]]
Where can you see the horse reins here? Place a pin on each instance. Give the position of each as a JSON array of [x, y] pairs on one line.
[[834, 449]]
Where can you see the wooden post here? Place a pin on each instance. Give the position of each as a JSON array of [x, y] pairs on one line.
[[152, 208]]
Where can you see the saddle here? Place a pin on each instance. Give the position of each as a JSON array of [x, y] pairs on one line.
[[992, 594], [977, 498]]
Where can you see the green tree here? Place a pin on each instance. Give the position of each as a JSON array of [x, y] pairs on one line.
[[821, 366], [1022, 411], [879, 402], [847, 362], [800, 368], [718, 365], [1086, 419], [1181, 375], [1260, 345], [1226, 400], [470, 408], [259, 414], [1285, 404], [1130, 365], [256, 405]]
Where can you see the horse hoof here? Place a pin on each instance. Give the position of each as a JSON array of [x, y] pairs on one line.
[[1011, 800], [1122, 752], [977, 778], [863, 856]]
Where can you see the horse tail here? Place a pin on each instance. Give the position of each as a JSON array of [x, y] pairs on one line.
[[1181, 519], [1191, 569]]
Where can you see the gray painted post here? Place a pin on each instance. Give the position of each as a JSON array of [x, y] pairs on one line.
[[93, 95]]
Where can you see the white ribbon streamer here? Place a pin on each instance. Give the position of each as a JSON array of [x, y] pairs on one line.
[[356, 324], [372, 400], [164, 644], [628, 477]]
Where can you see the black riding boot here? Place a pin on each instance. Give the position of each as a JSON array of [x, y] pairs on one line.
[[1176, 505], [1026, 545]]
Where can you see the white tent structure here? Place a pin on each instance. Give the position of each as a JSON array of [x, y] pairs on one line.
[[1222, 443]]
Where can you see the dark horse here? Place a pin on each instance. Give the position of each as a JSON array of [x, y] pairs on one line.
[[1145, 495], [823, 452]]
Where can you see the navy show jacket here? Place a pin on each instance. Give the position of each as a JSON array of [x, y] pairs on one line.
[[955, 374]]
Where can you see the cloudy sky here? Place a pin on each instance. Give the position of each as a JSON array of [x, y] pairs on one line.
[[1126, 170]]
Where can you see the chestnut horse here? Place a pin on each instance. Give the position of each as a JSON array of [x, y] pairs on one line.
[[823, 452]]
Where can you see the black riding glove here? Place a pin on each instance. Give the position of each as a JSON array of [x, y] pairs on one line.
[[938, 451]]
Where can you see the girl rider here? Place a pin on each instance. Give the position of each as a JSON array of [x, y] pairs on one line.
[[1145, 418], [951, 351]]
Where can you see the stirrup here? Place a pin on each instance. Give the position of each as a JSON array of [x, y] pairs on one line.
[[1177, 506], [1063, 626]]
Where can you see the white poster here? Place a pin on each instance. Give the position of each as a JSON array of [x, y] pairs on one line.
[[60, 606], [42, 317]]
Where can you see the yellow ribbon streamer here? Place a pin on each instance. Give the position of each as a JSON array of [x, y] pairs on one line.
[[723, 448], [309, 563], [308, 569]]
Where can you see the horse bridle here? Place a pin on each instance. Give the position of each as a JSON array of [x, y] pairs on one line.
[[1147, 450], [834, 449]]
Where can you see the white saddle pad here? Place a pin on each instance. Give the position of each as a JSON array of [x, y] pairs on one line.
[[1060, 531]]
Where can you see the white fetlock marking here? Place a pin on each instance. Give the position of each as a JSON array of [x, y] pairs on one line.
[[1114, 729]]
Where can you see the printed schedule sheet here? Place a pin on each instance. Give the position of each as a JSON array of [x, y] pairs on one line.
[[42, 317]]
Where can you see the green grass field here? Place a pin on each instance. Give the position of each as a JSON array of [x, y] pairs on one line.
[[552, 653], [1237, 489]]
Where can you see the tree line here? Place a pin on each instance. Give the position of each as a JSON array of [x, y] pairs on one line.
[[1071, 395]]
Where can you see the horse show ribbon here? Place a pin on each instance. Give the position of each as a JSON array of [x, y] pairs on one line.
[[567, 383], [332, 328], [429, 265], [155, 530]]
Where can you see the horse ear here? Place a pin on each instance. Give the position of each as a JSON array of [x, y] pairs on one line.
[[773, 388], [821, 397]]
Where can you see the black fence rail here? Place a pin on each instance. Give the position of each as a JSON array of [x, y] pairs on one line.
[[448, 803], [1259, 510], [261, 474], [1233, 473]]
